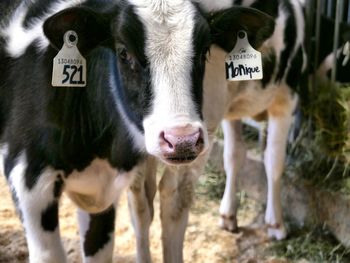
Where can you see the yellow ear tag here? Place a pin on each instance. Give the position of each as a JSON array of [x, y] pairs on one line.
[[69, 66], [243, 62]]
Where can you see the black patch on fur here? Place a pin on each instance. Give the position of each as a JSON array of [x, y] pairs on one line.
[[97, 235], [134, 74], [10, 163], [269, 7], [289, 39], [57, 190], [269, 65], [201, 44], [295, 72], [49, 217], [238, 2]]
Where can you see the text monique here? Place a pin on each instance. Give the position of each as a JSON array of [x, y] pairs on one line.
[[233, 71]]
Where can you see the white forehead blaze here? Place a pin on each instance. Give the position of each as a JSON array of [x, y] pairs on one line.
[[18, 38], [169, 48]]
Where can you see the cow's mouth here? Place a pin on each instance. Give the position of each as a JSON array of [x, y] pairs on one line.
[[180, 159]]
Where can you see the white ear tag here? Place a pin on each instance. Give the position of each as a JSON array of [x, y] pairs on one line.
[[243, 62], [69, 66]]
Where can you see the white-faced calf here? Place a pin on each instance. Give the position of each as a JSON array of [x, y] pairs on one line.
[[284, 67], [143, 94]]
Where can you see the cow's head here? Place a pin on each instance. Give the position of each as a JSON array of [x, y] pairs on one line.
[[160, 52]]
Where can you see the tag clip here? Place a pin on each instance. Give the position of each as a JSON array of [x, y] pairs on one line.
[[243, 62], [69, 66]]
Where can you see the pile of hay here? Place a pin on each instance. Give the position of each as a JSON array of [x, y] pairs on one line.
[[321, 152]]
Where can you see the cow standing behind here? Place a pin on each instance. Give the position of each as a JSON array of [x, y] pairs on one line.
[[145, 67], [285, 66]]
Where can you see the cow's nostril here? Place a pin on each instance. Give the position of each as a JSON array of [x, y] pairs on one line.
[[168, 143], [181, 144], [200, 141]]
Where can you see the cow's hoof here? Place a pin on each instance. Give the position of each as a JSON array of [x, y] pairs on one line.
[[277, 232], [228, 223]]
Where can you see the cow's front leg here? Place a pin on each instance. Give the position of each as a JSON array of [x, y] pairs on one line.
[[279, 123], [176, 193], [140, 199], [97, 235], [234, 156], [36, 195]]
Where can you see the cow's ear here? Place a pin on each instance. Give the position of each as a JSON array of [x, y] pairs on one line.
[[92, 28], [226, 23]]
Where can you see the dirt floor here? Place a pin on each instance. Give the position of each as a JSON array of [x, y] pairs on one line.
[[205, 242]]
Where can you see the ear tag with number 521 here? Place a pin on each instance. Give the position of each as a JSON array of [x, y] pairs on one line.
[[243, 62], [69, 66]]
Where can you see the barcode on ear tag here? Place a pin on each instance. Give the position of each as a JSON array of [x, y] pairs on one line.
[[243, 62], [69, 66]]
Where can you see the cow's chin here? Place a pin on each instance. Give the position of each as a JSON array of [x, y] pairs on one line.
[[178, 160]]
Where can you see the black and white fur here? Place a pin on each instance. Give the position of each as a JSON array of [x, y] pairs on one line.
[[146, 61], [285, 68], [326, 56]]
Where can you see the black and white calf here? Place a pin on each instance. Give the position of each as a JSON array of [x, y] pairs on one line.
[[143, 94], [285, 64]]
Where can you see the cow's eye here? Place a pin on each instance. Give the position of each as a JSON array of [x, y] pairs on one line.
[[125, 56]]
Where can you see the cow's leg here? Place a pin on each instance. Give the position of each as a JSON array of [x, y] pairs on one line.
[[176, 193], [97, 235], [36, 197], [140, 199], [280, 119], [234, 156]]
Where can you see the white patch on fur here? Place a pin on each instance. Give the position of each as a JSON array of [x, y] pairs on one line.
[[169, 34], [276, 40], [210, 5], [300, 25], [248, 2], [3, 154], [19, 38], [97, 187], [84, 221], [234, 157], [274, 164], [327, 64], [302, 2], [43, 246]]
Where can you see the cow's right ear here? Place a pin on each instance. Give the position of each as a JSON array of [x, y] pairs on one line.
[[225, 25], [92, 28]]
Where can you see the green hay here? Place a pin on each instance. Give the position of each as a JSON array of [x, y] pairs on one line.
[[212, 183], [321, 153], [316, 245]]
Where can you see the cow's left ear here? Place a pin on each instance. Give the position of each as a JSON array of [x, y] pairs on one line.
[[226, 23], [92, 28]]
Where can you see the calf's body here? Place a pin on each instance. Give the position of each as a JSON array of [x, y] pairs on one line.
[[143, 95]]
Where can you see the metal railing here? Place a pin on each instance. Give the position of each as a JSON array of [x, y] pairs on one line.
[[338, 11]]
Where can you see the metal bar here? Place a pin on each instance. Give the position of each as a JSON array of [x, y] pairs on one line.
[[338, 17], [330, 8], [317, 37]]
